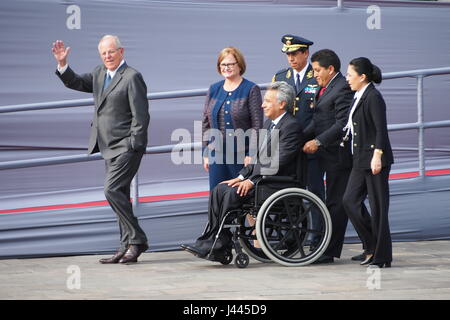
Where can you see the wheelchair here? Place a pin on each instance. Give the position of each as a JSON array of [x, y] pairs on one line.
[[293, 226]]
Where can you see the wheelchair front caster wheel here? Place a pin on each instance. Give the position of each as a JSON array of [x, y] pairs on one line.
[[242, 260], [227, 258]]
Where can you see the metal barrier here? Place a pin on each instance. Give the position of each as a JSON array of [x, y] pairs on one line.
[[420, 125]]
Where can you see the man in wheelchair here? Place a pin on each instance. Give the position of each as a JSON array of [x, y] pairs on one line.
[[279, 144]]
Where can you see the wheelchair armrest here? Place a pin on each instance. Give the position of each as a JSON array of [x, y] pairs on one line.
[[278, 179], [265, 185]]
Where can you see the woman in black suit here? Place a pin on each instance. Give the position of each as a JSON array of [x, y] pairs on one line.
[[372, 159]]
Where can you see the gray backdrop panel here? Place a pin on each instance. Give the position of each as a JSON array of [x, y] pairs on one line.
[[175, 46]]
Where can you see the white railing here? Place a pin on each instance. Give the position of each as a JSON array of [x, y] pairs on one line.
[[420, 125]]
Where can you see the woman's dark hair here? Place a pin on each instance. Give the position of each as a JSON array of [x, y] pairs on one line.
[[363, 65]]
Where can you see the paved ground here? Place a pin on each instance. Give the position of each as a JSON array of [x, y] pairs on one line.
[[421, 270]]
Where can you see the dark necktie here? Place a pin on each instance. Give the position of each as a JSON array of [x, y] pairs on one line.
[[269, 136], [297, 85], [272, 125], [107, 81]]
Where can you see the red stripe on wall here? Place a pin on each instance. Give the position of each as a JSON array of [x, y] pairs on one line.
[[58, 206], [412, 174], [437, 172], [174, 196], [395, 176], [404, 175], [105, 203]]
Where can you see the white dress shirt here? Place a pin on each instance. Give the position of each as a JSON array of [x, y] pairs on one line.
[[302, 74], [332, 79], [357, 97], [275, 122]]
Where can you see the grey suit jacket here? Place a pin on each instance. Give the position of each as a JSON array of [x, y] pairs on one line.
[[121, 115]]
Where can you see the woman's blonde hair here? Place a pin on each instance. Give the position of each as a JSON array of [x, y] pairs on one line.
[[237, 55]]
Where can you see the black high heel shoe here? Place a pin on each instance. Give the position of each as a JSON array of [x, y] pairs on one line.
[[367, 260], [381, 265]]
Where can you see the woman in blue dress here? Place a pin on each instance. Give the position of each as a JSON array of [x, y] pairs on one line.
[[232, 117]]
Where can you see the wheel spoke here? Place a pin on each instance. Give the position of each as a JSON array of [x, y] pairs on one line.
[[286, 222], [306, 208], [282, 240], [290, 214], [300, 244], [305, 212], [277, 224]]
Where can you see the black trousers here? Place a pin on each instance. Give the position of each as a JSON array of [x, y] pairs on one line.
[[315, 185], [373, 229], [336, 182], [221, 200], [119, 174]]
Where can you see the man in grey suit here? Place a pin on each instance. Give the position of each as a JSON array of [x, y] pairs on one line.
[[118, 131]]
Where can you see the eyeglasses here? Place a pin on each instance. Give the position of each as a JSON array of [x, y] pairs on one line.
[[228, 65]]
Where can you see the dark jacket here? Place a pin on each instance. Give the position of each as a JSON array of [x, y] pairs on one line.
[[304, 100], [329, 119], [370, 129], [242, 107], [287, 148]]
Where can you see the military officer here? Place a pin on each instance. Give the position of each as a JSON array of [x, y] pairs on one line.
[[300, 75]]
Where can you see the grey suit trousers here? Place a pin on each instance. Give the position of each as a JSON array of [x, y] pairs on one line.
[[120, 171]]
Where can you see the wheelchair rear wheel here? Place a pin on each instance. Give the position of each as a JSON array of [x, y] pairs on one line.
[[293, 227]]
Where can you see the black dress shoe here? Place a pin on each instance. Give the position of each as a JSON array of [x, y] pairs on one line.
[[114, 259], [324, 259], [368, 260], [133, 252], [359, 257], [201, 253], [380, 265]]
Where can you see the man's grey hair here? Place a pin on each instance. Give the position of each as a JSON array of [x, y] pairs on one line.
[[115, 38], [285, 92]]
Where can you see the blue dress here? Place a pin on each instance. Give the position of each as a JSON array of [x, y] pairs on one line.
[[227, 111]]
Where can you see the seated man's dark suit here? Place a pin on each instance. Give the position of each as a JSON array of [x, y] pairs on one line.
[[224, 198]]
